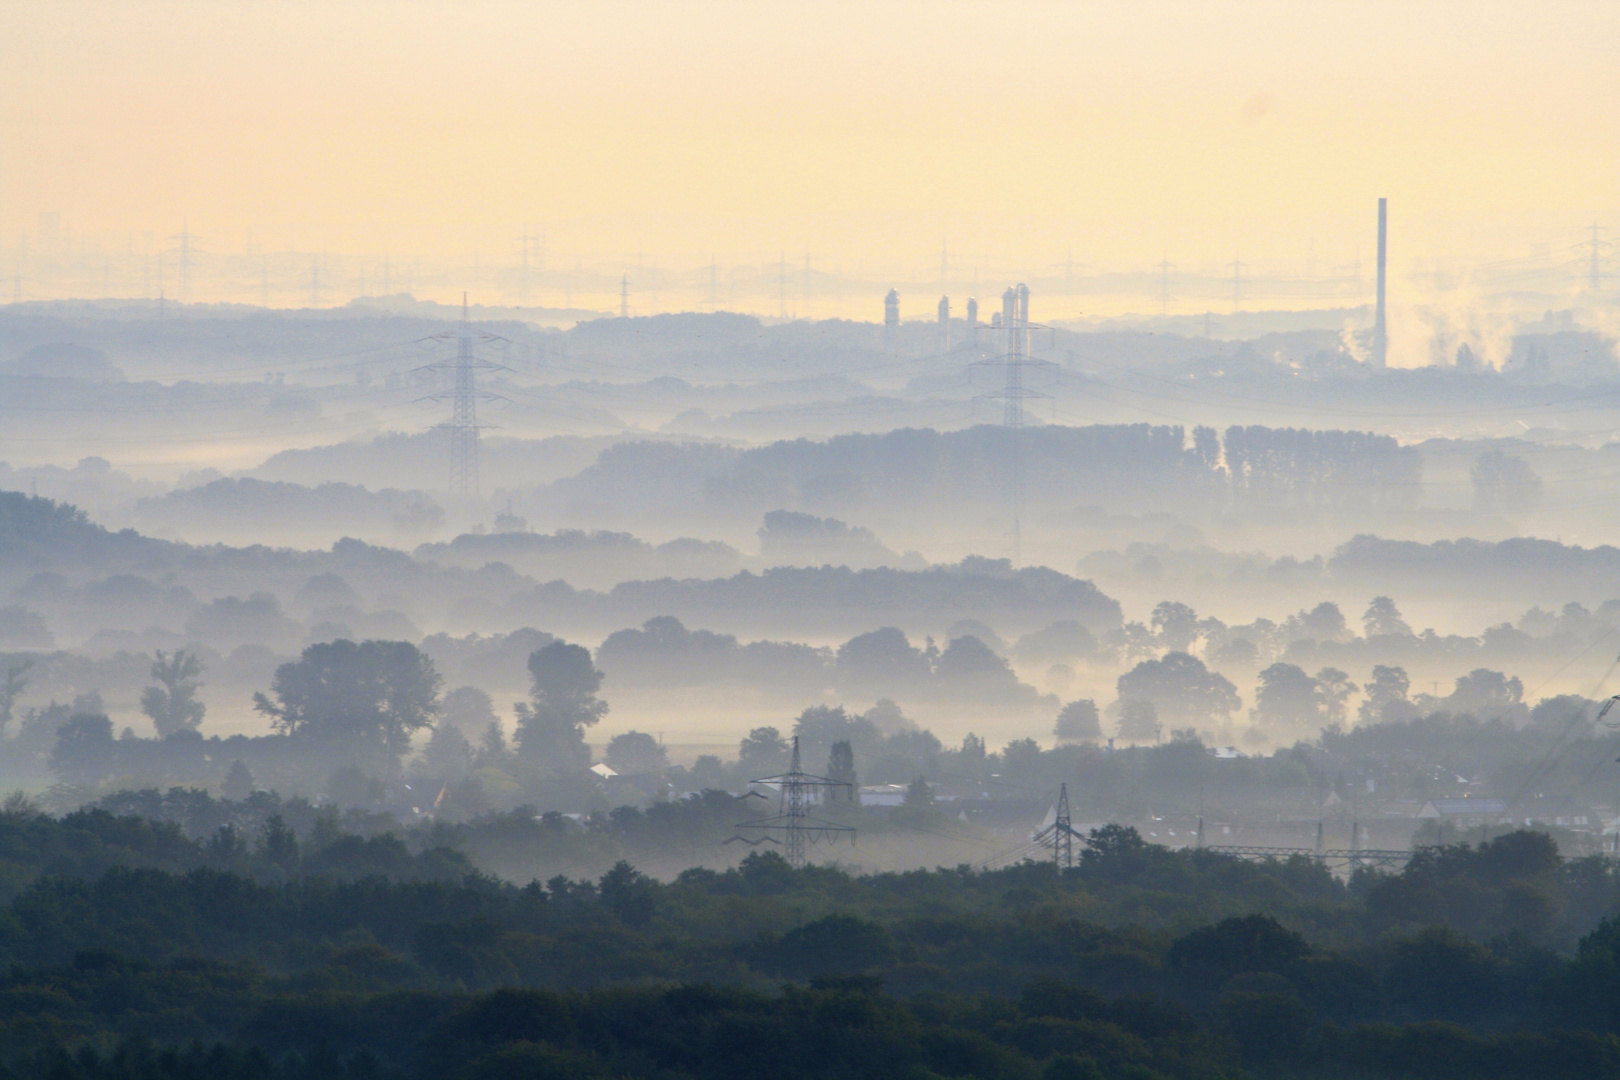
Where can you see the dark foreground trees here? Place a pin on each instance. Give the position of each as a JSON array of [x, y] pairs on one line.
[[270, 954]]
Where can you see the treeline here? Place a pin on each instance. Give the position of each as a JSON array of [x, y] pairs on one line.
[[1138, 963], [1545, 571], [1143, 466], [587, 559], [131, 591]]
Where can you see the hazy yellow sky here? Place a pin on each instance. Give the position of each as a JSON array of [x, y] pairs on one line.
[[861, 132]]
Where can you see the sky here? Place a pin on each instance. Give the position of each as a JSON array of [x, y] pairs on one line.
[[1022, 135]]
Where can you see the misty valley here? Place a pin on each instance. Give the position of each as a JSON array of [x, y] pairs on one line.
[[786, 692]]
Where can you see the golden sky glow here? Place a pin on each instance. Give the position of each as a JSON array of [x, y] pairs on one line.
[[860, 132]]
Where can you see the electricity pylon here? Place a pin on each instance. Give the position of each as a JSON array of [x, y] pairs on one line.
[[464, 397], [187, 253], [1013, 393], [792, 819], [1060, 835]]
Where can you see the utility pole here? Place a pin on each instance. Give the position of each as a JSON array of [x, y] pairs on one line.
[[624, 297], [1013, 393], [792, 820], [464, 397]]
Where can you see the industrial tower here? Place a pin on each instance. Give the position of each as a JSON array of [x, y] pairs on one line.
[[1013, 393], [1380, 341], [464, 397], [891, 317], [792, 819], [187, 254]]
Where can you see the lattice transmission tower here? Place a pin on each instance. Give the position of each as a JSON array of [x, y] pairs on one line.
[[464, 397], [1059, 835], [792, 825], [1014, 392]]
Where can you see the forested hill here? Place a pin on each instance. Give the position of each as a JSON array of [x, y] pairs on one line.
[[327, 954], [52, 550], [35, 531], [1140, 466]]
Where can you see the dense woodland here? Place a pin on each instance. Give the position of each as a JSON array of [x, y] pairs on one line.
[[135, 951]]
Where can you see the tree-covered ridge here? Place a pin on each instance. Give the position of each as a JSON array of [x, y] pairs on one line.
[[1143, 465], [329, 954]]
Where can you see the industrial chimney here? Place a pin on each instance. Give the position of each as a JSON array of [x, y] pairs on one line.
[[1380, 342]]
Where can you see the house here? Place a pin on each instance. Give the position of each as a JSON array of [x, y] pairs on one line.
[[1467, 812]]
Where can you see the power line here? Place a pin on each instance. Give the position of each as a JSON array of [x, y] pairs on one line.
[[1060, 835], [793, 819], [464, 397], [1013, 393], [1165, 266]]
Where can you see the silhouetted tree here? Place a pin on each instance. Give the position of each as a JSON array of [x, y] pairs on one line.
[[918, 793], [1286, 695], [563, 703], [1386, 695], [351, 695], [85, 749], [1078, 721], [12, 686], [1138, 720], [841, 767], [492, 749], [970, 668], [883, 661], [468, 708], [1487, 695], [1382, 617], [1504, 484], [635, 752], [448, 755], [173, 704], [238, 782], [1324, 622], [1333, 688], [1181, 689], [763, 753], [1175, 624]]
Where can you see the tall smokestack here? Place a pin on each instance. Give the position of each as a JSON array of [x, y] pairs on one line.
[[1380, 328]]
